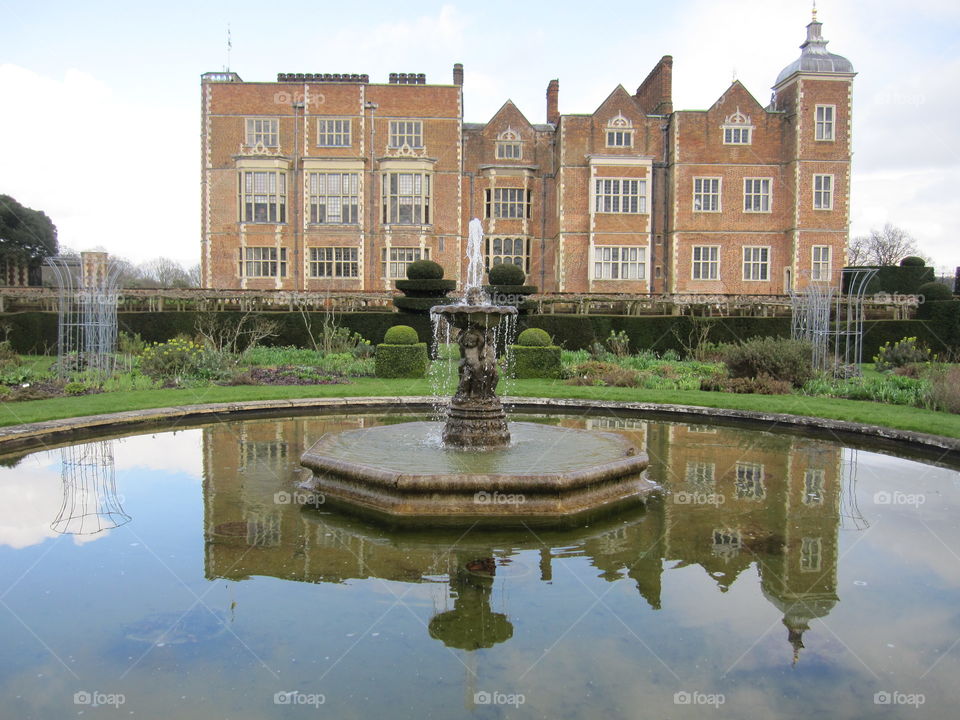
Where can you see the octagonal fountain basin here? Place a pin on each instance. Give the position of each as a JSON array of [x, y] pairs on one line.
[[405, 471]]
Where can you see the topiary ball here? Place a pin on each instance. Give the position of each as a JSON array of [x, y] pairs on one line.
[[507, 275], [401, 335], [912, 261], [424, 270], [934, 292], [534, 337]]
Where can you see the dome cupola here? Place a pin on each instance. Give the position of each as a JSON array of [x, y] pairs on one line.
[[814, 57]]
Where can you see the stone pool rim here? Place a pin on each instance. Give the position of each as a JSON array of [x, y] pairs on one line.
[[37, 435]]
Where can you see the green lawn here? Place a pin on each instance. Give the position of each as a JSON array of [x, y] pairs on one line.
[[895, 416]]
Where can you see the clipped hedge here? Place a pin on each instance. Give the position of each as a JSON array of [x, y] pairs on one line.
[[506, 274], [535, 337], [425, 288], [36, 332], [900, 279], [424, 270], [401, 361], [534, 361], [401, 335], [419, 305]]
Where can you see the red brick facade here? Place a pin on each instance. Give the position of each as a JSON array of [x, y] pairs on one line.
[[335, 183]]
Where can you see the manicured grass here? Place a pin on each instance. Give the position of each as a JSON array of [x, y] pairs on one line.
[[901, 417]]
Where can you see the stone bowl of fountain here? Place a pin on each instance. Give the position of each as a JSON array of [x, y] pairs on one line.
[[475, 465]]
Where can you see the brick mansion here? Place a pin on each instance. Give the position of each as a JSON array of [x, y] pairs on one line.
[[331, 182]]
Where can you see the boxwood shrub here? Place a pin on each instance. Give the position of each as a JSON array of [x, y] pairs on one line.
[[401, 361], [534, 361]]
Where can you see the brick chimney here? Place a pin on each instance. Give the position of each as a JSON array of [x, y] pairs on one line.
[[655, 93], [553, 93], [458, 74]]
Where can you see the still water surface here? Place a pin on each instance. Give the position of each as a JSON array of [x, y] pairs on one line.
[[776, 576]]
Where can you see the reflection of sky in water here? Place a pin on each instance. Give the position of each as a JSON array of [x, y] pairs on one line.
[[321, 603]]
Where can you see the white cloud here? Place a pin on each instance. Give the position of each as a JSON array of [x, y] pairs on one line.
[[180, 451], [109, 173]]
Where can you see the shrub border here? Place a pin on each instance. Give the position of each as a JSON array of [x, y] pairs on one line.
[[39, 435]]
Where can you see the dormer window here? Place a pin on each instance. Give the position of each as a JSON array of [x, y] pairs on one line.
[[737, 129], [509, 146], [619, 132]]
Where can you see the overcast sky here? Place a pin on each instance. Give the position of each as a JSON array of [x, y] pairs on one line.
[[100, 101]]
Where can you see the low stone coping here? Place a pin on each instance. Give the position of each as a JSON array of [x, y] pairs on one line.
[[36, 435]]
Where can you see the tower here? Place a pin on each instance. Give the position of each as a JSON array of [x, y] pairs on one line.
[[815, 93]]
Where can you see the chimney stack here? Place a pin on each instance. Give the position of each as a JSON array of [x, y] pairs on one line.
[[553, 93], [458, 74]]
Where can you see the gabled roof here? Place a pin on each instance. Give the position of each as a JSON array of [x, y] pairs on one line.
[[617, 101]]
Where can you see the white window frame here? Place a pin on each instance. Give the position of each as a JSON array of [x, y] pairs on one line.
[[749, 481], [262, 131], [824, 120], [811, 554], [813, 484], [758, 195], [823, 192], [395, 268], [509, 145], [620, 195], [737, 129], [507, 249], [334, 132], [710, 188], [611, 262], [270, 198], [619, 132], [263, 262], [821, 270], [334, 262], [396, 197], [407, 133], [508, 203], [737, 135], [701, 474], [709, 263], [756, 263], [338, 193]]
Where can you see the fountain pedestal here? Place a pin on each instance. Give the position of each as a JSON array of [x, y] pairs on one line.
[[476, 418]]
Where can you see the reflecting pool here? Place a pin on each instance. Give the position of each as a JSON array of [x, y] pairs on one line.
[[182, 574]]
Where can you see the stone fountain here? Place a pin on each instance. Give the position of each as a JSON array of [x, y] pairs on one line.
[[476, 466]]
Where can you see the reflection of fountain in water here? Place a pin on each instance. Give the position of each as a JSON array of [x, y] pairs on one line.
[[90, 501]]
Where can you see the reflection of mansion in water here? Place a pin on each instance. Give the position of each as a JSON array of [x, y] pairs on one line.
[[735, 499]]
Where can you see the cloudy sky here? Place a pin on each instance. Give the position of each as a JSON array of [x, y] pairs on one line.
[[101, 100]]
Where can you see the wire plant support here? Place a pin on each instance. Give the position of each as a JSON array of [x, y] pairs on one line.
[[831, 320], [90, 501], [87, 314]]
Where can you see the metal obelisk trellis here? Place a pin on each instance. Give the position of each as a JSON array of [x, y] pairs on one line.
[[87, 307], [90, 501], [831, 320]]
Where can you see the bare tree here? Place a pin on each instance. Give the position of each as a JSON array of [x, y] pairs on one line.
[[883, 247], [165, 273]]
